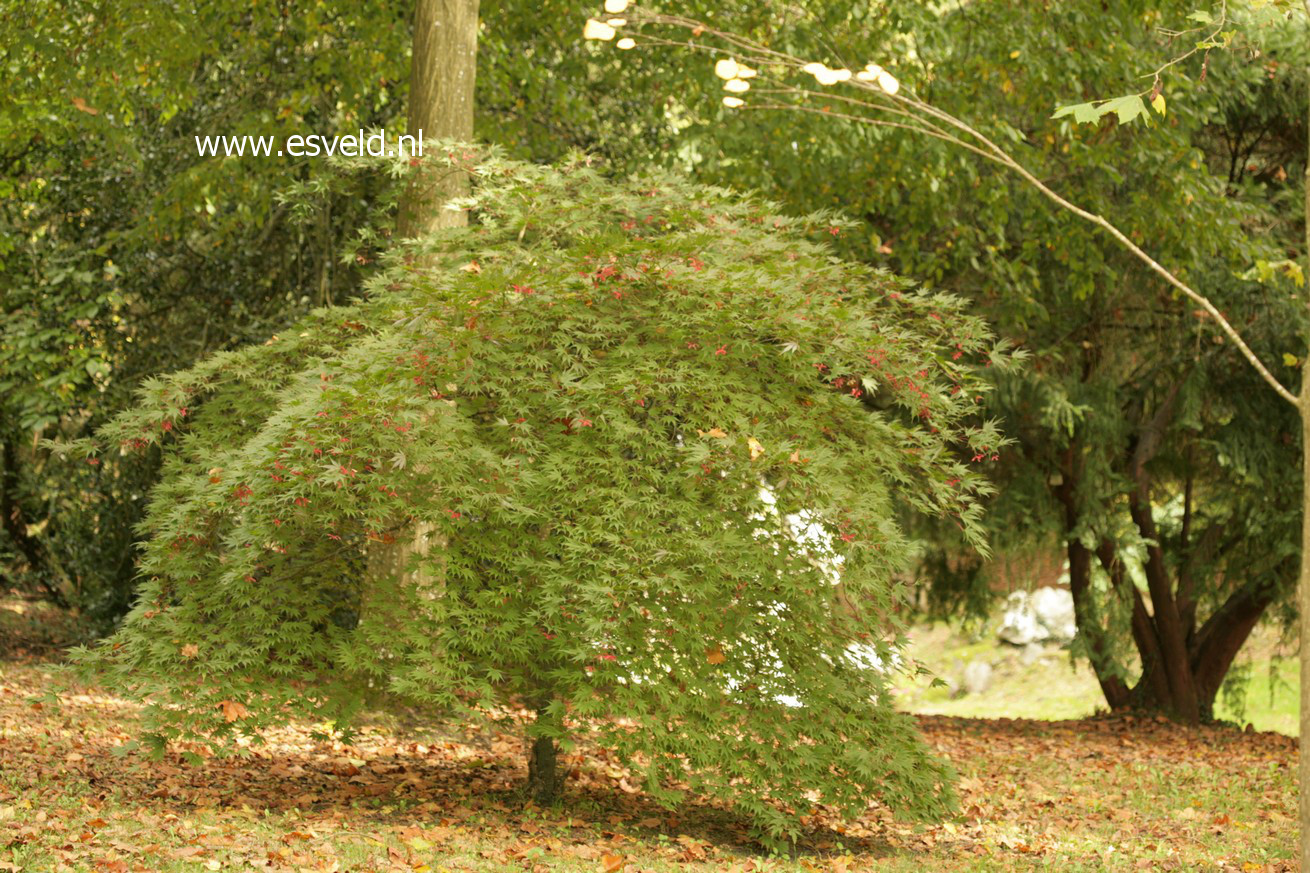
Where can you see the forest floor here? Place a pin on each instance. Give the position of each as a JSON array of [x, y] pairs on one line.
[[1088, 794]]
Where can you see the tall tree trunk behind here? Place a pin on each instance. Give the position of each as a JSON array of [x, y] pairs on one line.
[[442, 74], [441, 80], [1303, 585]]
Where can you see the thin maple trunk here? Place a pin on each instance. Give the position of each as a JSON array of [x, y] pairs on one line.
[[544, 782]]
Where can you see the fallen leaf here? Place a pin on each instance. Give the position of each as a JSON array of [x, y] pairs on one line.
[[233, 710], [81, 104], [611, 863]]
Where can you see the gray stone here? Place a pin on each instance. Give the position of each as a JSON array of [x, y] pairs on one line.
[[977, 677], [1041, 616], [1032, 653], [1054, 609], [1019, 625]]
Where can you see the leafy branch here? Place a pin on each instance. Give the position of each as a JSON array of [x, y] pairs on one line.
[[878, 93]]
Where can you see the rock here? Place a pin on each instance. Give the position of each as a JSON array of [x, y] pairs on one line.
[[1054, 608], [977, 677], [1019, 625], [1032, 653], [1044, 615]]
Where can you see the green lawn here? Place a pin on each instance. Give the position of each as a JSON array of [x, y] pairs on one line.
[[1269, 701], [1051, 687]]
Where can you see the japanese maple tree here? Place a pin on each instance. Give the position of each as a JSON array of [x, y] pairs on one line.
[[662, 439]]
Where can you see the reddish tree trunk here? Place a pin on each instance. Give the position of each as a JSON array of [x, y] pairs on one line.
[[1182, 667], [1222, 637]]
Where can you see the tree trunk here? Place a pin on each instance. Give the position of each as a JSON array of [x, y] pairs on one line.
[[1144, 635], [1169, 628], [543, 772], [544, 782], [1211, 655], [1080, 582], [1089, 625], [442, 73], [1303, 583], [1182, 671]]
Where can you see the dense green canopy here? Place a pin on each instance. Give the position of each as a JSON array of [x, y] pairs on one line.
[[657, 435]]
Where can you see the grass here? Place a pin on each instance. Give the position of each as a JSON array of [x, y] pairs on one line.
[[1045, 686], [1266, 697], [1262, 691]]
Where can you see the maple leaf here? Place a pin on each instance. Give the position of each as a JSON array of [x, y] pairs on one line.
[[612, 863], [233, 710], [755, 447], [190, 650], [715, 655], [81, 104]]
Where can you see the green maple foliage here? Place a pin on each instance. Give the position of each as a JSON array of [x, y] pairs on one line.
[[662, 439]]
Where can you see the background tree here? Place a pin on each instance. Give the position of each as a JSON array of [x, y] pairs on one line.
[[124, 253]]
